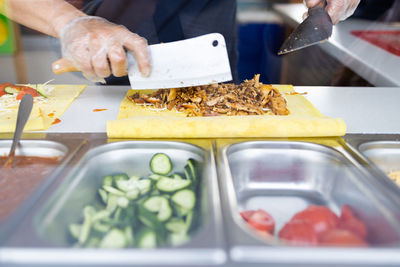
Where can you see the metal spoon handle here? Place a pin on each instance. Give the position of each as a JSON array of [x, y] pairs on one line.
[[24, 110]]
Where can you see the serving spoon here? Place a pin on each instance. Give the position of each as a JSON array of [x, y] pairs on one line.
[[24, 110]]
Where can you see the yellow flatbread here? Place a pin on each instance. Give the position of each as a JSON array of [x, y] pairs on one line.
[[304, 120], [45, 110]]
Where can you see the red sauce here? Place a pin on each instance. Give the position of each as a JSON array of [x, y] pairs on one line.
[[20, 180], [99, 109], [295, 93], [56, 121]]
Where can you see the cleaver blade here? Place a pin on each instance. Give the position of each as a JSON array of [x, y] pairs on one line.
[[197, 61], [316, 28]]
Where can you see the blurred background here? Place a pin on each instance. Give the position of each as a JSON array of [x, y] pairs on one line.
[[262, 26]]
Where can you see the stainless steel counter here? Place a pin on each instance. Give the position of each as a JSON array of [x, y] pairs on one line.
[[372, 110], [374, 64]]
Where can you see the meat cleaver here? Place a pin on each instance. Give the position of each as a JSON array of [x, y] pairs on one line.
[[197, 61], [316, 28]]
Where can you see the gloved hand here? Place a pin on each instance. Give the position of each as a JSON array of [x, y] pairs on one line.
[[96, 47], [338, 10]]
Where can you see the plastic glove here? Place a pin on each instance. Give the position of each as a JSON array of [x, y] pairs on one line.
[[96, 47], [338, 10]]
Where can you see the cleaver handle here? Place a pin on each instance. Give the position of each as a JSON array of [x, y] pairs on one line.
[[321, 5], [62, 66]]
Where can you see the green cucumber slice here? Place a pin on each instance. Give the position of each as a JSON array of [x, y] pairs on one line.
[[160, 163], [184, 198], [159, 205], [75, 230], [147, 238], [176, 225], [103, 195], [115, 238], [108, 180], [11, 90], [113, 190], [171, 185]]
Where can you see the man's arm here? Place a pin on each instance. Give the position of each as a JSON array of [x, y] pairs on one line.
[[94, 45], [47, 16]]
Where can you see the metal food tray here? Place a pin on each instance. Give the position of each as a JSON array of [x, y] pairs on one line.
[[47, 237], [63, 149], [379, 154], [284, 177], [326, 171]]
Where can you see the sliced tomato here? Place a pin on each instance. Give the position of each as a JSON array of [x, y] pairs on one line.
[[26, 90], [247, 214], [348, 221], [340, 237], [262, 221], [299, 232], [320, 217]]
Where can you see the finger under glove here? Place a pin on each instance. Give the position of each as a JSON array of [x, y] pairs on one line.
[[97, 48]]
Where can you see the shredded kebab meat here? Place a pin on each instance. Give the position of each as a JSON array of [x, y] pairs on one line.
[[249, 98]]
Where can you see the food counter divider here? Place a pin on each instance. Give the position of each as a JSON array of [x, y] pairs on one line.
[[35, 146], [284, 177], [47, 240]]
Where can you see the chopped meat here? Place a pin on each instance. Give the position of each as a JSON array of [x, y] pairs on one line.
[[249, 98]]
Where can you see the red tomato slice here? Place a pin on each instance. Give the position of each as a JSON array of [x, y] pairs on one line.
[[299, 233], [26, 90], [262, 221], [247, 214], [320, 217], [340, 237], [348, 221]]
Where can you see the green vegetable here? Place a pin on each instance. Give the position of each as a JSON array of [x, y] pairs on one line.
[[160, 164], [147, 212], [171, 185]]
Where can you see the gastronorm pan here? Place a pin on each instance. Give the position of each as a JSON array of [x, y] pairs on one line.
[[79, 188], [284, 177], [27, 188]]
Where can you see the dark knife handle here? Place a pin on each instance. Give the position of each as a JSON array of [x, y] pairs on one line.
[[321, 5]]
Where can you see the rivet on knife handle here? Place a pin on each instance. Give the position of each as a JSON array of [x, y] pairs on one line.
[[62, 66]]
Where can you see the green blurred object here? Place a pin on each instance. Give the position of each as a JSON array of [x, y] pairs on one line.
[[7, 37]]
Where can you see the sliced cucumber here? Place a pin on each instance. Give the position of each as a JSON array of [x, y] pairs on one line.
[[156, 177], [160, 164], [104, 195], [129, 236], [177, 176], [88, 213], [176, 225], [115, 238], [171, 185], [177, 239], [123, 202], [119, 177], [191, 163], [75, 230], [147, 238], [112, 203], [184, 198], [133, 194], [101, 227], [144, 186], [113, 190], [40, 90], [108, 180], [159, 205], [11, 90]]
